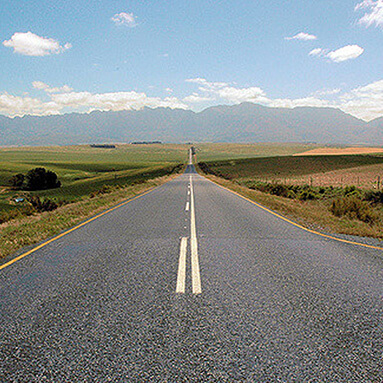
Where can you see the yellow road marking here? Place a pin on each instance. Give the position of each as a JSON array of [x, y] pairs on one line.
[[73, 229], [297, 224]]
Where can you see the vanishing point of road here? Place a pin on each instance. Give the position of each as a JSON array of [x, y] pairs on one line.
[[192, 283]]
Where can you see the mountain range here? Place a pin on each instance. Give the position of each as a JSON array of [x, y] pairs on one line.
[[246, 122]]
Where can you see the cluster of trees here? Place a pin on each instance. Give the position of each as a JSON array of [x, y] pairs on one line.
[[36, 179]]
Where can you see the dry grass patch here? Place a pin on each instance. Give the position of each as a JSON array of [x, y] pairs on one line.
[[365, 177], [311, 214], [339, 151]]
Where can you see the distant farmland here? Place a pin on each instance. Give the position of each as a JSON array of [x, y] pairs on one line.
[[340, 151], [359, 170], [83, 169]]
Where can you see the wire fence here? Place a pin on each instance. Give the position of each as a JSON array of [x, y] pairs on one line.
[[361, 181]]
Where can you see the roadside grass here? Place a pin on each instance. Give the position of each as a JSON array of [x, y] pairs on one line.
[[26, 231], [311, 214]]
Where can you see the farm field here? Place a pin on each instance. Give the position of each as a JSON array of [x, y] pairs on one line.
[[83, 169], [330, 151], [364, 177], [317, 170]]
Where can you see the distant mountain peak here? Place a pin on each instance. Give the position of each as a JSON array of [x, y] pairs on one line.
[[245, 122]]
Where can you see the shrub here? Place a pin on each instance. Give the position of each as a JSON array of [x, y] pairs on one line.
[[42, 205], [352, 207], [350, 191], [41, 179], [278, 189], [373, 196], [17, 181], [305, 195]]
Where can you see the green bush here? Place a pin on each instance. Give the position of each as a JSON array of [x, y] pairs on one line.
[[305, 195], [354, 208], [350, 191], [374, 197], [42, 205], [41, 179], [17, 181]]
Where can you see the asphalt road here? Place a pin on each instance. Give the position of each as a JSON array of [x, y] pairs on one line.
[[191, 283]]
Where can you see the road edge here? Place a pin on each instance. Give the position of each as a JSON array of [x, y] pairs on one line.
[[280, 216], [81, 224]]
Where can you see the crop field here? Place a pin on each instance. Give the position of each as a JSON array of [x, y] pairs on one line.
[[329, 170], [364, 177], [83, 170], [73, 163], [330, 151], [225, 151]]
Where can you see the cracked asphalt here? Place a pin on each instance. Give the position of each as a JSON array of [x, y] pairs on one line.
[[278, 304]]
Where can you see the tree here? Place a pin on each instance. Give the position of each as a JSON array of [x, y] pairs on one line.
[[17, 180], [40, 179]]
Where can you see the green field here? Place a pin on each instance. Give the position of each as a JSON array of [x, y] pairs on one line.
[[83, 170], [286, 167]]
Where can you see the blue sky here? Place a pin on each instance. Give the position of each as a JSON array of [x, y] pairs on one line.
[[64, 56]]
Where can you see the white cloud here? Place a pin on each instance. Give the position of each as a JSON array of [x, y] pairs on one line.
[[225, 92], [293, 103], [207, 85], [63, 99], [328, 92], [302, 36], [348, 52], [45, 87], [365, 102], [375, 14], [19, 106], [195, 98], [114, 101], [124, 18], [238, 95], [317, 52], [29, 44]]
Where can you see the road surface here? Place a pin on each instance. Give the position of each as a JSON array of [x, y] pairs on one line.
[[192, 283]]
